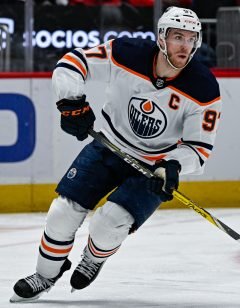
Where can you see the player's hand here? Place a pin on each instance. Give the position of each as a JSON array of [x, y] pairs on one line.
[[166, 180], [76, 117]]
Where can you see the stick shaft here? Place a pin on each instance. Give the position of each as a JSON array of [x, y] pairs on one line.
[[177, 194]]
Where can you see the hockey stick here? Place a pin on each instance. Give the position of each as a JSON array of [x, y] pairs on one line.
[[177, 194]]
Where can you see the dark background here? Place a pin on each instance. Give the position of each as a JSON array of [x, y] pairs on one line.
[[73, 18]]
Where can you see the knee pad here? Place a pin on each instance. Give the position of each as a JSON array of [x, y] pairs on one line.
[[110, 225], [64, 218]]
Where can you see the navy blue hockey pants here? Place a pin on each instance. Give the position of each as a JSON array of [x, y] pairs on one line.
[[96, 171]]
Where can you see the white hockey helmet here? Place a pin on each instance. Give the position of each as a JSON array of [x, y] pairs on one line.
[[179, 18]]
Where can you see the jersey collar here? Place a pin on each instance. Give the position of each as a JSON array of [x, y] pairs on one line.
[[158, 82]]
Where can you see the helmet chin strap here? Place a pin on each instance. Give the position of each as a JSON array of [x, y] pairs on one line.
[[164, 51]]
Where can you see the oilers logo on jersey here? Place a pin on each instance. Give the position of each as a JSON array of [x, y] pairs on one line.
[[146, 118]]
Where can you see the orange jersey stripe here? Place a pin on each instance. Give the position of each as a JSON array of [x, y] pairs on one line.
[[155, 157], [54, 250], [196, 101], [201, 150], [78, 64]]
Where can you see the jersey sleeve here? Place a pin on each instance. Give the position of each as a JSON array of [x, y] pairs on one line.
[[199, 133], [78, 67]]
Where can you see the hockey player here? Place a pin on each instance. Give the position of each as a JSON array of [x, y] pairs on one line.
[[162, 108]]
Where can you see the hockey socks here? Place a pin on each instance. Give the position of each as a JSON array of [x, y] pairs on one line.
[[54, 250]]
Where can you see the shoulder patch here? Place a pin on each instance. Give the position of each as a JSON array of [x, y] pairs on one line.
[[132, 54], [197, 81]]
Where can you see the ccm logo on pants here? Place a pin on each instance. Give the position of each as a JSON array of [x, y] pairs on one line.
[[24, 111]]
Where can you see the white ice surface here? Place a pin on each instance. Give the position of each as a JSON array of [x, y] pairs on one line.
[[177, 259]]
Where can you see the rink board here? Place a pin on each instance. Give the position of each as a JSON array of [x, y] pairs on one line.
[[35, 153], [38, 197]]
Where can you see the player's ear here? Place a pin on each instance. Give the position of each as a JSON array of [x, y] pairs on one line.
[[160, 42]]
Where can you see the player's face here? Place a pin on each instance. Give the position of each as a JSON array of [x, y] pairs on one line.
[[179, 46]]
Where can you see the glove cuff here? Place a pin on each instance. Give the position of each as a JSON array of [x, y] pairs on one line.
[[163, 163], [71, 102]]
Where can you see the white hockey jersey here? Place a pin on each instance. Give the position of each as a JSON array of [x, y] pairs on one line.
[[148, 117]]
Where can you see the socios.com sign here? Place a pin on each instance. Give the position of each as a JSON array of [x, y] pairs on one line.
[[80, 38], [24, 143], [73, 39]]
